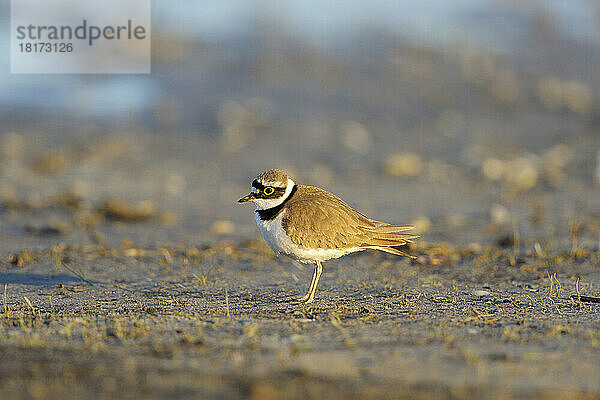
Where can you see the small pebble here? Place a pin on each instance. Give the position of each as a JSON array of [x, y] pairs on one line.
[[421, 224], [403, 165], [355, 137], [499, 214], [222, 227], [493, 169], [119, 210], [522, 173], [480, 293]]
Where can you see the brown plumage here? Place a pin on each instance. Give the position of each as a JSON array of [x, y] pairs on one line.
[[273, 175], [315, 218], [310, 224]]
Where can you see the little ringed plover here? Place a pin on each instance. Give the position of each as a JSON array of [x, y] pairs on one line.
[[312, 225]]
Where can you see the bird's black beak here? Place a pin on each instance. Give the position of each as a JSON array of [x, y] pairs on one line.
[[247, 198]]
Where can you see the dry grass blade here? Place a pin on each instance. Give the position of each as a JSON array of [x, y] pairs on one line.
[[29, 304], [227, 303], [77, 273], [586, 299], [4, 298]]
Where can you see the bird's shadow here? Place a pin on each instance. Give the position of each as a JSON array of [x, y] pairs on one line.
[[8, 278]]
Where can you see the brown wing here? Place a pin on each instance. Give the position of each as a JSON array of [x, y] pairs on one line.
[[318, 219]]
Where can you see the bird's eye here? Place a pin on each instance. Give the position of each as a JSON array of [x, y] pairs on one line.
[[269, 191]]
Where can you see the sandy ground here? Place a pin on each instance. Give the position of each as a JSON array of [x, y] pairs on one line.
[[218, 322], [128, 270]]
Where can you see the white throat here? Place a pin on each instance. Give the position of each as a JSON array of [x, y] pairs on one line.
[[264, 204]]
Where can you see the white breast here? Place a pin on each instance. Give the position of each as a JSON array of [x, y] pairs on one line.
[[281, 243]]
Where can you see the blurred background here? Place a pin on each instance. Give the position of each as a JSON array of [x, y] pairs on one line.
[[471, 119]]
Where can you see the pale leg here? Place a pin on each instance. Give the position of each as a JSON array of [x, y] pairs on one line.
[[310, 295], [312, 282]]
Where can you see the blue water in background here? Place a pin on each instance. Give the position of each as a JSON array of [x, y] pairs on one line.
[[493, 25]]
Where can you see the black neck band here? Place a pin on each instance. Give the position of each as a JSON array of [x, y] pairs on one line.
[[273, 212]]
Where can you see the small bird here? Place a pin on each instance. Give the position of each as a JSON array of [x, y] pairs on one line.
[[312, 225]]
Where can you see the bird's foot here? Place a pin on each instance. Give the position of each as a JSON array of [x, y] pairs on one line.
[[306, 299]]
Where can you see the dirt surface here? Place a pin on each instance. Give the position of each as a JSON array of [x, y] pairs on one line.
[[128, 270], [219, 322]]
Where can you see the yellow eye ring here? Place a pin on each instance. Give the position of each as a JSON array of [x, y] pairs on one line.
[[268, 190]]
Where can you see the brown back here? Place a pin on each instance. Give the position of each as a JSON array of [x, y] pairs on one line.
[[315, 218]]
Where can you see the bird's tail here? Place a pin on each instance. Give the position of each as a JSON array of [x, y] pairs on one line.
[[393, 250], [384, 237]]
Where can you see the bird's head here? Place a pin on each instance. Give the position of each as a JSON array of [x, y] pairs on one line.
[[269, 189]]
